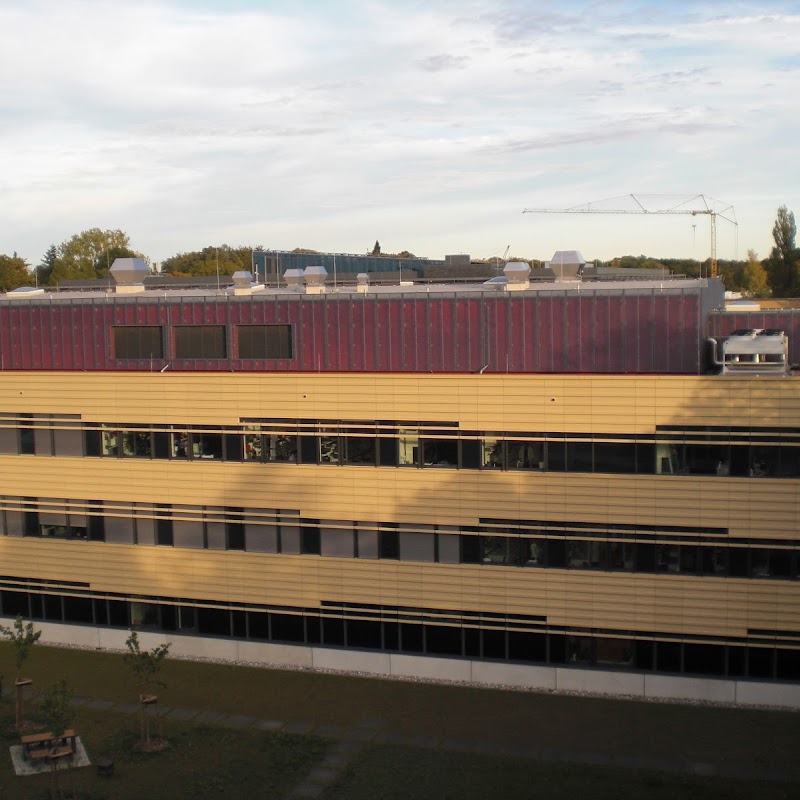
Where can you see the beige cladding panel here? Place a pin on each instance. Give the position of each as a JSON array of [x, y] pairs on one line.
[[748, 508], [602, 404], [691, 606]]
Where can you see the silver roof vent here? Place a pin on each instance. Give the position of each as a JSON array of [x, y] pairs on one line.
[[315, 278], [243, 283], [362, 282], [518, 275], [293, 278], [567, 265], [242, 279], [129, 274]]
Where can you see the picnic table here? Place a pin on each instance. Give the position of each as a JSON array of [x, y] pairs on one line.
[[38, 746]]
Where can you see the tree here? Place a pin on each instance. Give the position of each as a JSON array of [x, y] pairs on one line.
[[755, 282], [211, 260], [22, 637], [14, 272], [54, 706], [784, 232], [49, 262], [376, 250], [783, 265], [146, 666], [55, 710], [88, 254]]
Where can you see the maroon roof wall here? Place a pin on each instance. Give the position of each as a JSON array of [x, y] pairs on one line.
[[647, 331]]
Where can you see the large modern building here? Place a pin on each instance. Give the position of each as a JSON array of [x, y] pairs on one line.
[[564, 484]]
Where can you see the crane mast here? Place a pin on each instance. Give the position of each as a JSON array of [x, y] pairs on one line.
[[703, 206]]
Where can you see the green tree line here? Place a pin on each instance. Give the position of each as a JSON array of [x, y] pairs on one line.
[[91, 253]]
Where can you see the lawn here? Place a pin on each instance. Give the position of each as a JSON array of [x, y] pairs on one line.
[[398, 773], [201, 761], [219, 762]]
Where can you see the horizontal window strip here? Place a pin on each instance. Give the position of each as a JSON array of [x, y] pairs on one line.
[[395, 443], [11, 587]]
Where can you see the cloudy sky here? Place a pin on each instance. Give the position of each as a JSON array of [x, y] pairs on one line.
[[429, 126]]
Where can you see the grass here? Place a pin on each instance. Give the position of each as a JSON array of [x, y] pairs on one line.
[[201, 761], [217, 762], [399, 773]]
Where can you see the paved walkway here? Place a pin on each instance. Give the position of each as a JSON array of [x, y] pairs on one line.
[[350, 742]]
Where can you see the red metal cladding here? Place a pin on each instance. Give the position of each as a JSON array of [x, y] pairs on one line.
[[641, 331]]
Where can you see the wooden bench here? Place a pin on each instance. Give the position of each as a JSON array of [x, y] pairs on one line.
[[38, 746]]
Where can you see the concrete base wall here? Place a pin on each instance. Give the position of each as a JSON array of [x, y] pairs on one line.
[[646, 686]]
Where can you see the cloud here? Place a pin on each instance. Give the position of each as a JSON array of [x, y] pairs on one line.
[[440, 63], [196, 120]]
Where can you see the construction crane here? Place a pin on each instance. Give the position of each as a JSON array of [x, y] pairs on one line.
[[704, 205]]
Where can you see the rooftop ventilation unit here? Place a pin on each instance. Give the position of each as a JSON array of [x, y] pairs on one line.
[[517, 274], [362, 282], [293, 278], [129, 275], [567, 265], [754, 351], [315, 278], [243, 283]]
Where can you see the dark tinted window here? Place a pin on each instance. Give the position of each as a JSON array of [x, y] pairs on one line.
[[265, 341], [138, 341], [200, 341]]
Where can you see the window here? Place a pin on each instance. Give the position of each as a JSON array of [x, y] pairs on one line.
[[493, 452], [440, 452], [164, 534], [110, 441], [264, 341], [388, 544], [95, 522], [579, 457], [179, 444], [200, 341], [471, 550], [586, 555], [280, 448], [328, 448], [615, 458], [509, 550], [358, 450], [207, 445], [253, 449], [137, 444], [138, 341], [408, 447], [620, 556], [526, 455], [27, 440], [310, 540]]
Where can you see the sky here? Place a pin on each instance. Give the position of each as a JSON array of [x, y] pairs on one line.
[[427, 126]]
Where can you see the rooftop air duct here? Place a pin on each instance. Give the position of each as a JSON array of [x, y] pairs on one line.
[[517, 274], [294, 278], [243, 283], [567, 265], [129, 275], [315, 278]]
